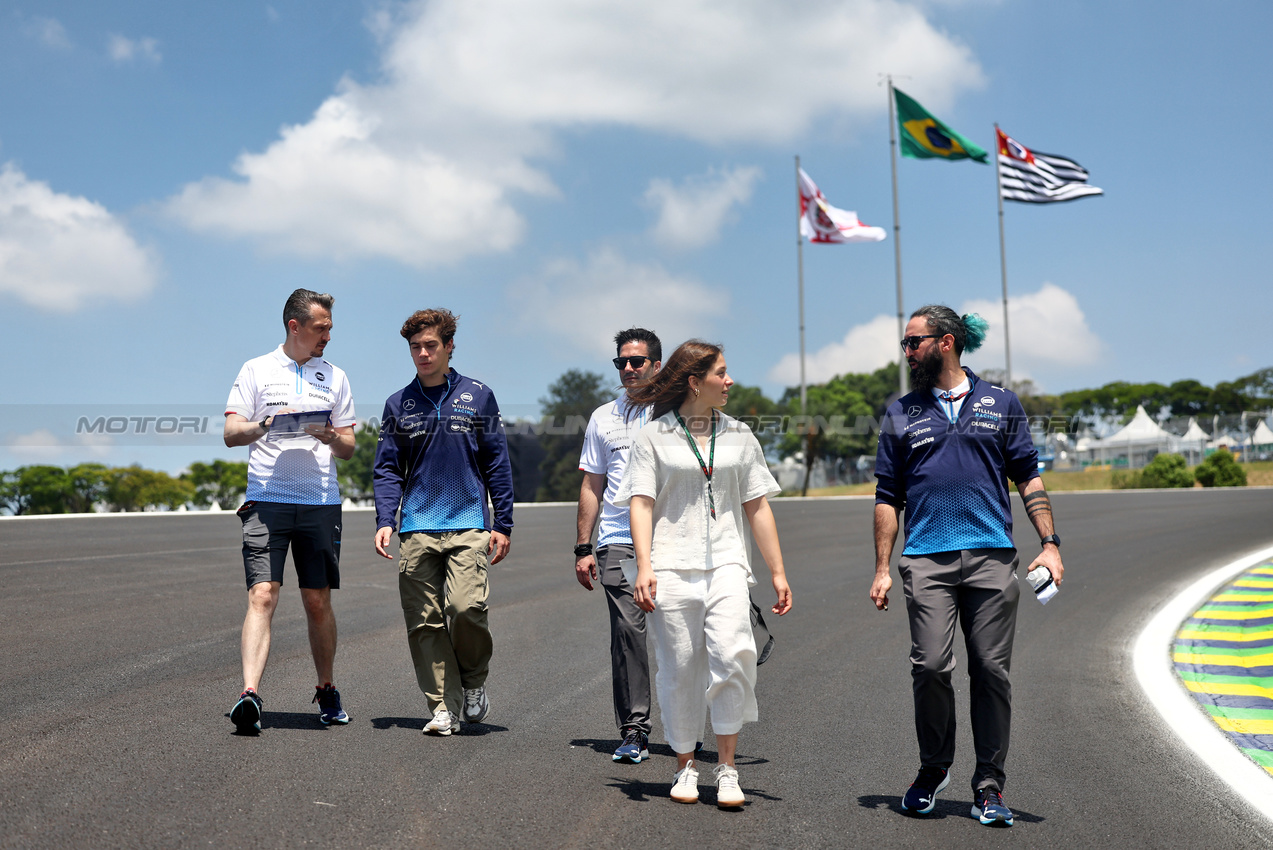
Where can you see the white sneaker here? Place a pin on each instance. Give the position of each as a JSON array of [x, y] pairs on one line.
[[443, 723], [685, 788], [476, 705], [728, 794]]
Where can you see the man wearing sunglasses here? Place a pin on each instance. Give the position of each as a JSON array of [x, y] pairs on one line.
[[946, 452], [605, 453]]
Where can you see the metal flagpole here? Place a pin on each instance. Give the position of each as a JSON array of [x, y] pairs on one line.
[[897, 238], [1003, 267], [800, 283]]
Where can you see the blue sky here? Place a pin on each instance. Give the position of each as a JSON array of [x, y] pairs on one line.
[[555, 171]]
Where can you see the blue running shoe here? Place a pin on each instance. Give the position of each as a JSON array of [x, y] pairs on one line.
[[635, 747], [329, 709], [922, 795], [246, 714], [988, 807]]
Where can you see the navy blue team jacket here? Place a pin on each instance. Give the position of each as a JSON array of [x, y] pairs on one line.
[[951, 478], [439, 461]]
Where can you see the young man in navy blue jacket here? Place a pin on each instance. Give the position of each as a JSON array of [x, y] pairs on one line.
[[441, 452], [946, 452]]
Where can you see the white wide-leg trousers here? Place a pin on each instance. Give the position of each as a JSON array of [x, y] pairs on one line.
[[706, 652]]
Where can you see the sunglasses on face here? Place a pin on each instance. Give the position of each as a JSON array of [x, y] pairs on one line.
[[911, 343], [635, 362]]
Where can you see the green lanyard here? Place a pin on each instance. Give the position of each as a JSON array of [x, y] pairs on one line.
[[711, 458]]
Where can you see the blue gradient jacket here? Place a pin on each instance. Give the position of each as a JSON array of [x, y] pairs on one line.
[[438, 462], [951, 478]]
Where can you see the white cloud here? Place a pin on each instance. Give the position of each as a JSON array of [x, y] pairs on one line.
[[41, 445], [123, 50], [58, 251], [1049, 332], [865, 348], [472, 91], [692, 214], [49, 32], [582, 305]]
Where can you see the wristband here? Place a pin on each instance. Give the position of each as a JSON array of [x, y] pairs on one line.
[[583, 549], [265, 424]]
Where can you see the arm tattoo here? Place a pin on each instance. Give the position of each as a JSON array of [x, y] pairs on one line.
[[1037, 503]]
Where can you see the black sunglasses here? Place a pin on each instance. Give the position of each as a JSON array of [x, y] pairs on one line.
[[637, 362], [911, 343]]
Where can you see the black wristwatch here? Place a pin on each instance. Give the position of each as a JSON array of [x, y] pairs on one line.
[[265, 424], [1054, 539], [582, 549]]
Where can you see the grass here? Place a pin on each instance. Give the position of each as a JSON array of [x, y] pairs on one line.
[[1258, 473]]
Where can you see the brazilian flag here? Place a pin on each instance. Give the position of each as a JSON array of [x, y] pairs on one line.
[[924, 137]]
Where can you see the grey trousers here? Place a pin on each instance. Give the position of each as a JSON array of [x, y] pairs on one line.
[[629, 660], [979, 588]]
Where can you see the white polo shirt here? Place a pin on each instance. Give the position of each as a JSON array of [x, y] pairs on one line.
[[605, 452], [297, 470]]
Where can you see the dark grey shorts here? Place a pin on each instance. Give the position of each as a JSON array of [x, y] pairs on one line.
[[312, 531]]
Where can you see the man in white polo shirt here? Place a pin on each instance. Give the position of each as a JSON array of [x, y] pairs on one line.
[[605, 453], [292, 496]]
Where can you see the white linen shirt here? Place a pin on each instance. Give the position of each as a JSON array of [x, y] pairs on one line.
[[662, 466], [299, 470]]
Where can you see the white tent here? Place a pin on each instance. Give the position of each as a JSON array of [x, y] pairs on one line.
[[1262, 436], [1193, 442], [1133, 445]]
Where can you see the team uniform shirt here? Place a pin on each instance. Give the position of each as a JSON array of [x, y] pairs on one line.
[[438, 458], [295, 470], [605, 452], [662, 465], [951, 477]]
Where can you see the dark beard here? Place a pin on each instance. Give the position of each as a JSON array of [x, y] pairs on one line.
[[924, 374]]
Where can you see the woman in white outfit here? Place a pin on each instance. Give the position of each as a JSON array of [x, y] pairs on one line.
[[693, 476]]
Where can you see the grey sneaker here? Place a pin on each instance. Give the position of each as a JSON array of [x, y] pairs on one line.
[[476, 705], [685, 788], [443, 723], [728, 794]]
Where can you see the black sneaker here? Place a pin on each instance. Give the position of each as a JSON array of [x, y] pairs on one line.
[[329, 710], [635, 747], [246, 714], [988, 807], [922, 795]]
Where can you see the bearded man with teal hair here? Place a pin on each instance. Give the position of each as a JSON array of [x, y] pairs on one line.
[[946, 452]]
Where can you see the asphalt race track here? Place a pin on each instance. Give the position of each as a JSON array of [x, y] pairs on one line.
[[120, 661]]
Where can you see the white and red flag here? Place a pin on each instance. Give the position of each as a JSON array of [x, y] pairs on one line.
[[821, 222]]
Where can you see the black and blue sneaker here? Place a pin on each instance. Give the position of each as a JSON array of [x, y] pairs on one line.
[[922, 795], [329, 709], [988, 807], [635, 747], [246, 714]]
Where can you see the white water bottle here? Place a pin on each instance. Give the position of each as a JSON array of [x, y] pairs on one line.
[[1041, 582]]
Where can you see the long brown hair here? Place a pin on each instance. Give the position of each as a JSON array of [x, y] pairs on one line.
[[667, 388]]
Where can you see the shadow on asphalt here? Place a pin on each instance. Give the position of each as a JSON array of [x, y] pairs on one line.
[[608, 745], [467, 729], [640, 792], [283, 720], [943, 809]]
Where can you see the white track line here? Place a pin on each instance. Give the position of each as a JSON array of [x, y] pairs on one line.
[[1151, 658]]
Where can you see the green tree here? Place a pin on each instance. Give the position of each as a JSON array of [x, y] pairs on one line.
[[1219, 469], [569, 404], [355, 474], [1166, 470], [828, 430], [85, 486], [760, 413], [37, 489], [132, 488], [222, 481]]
